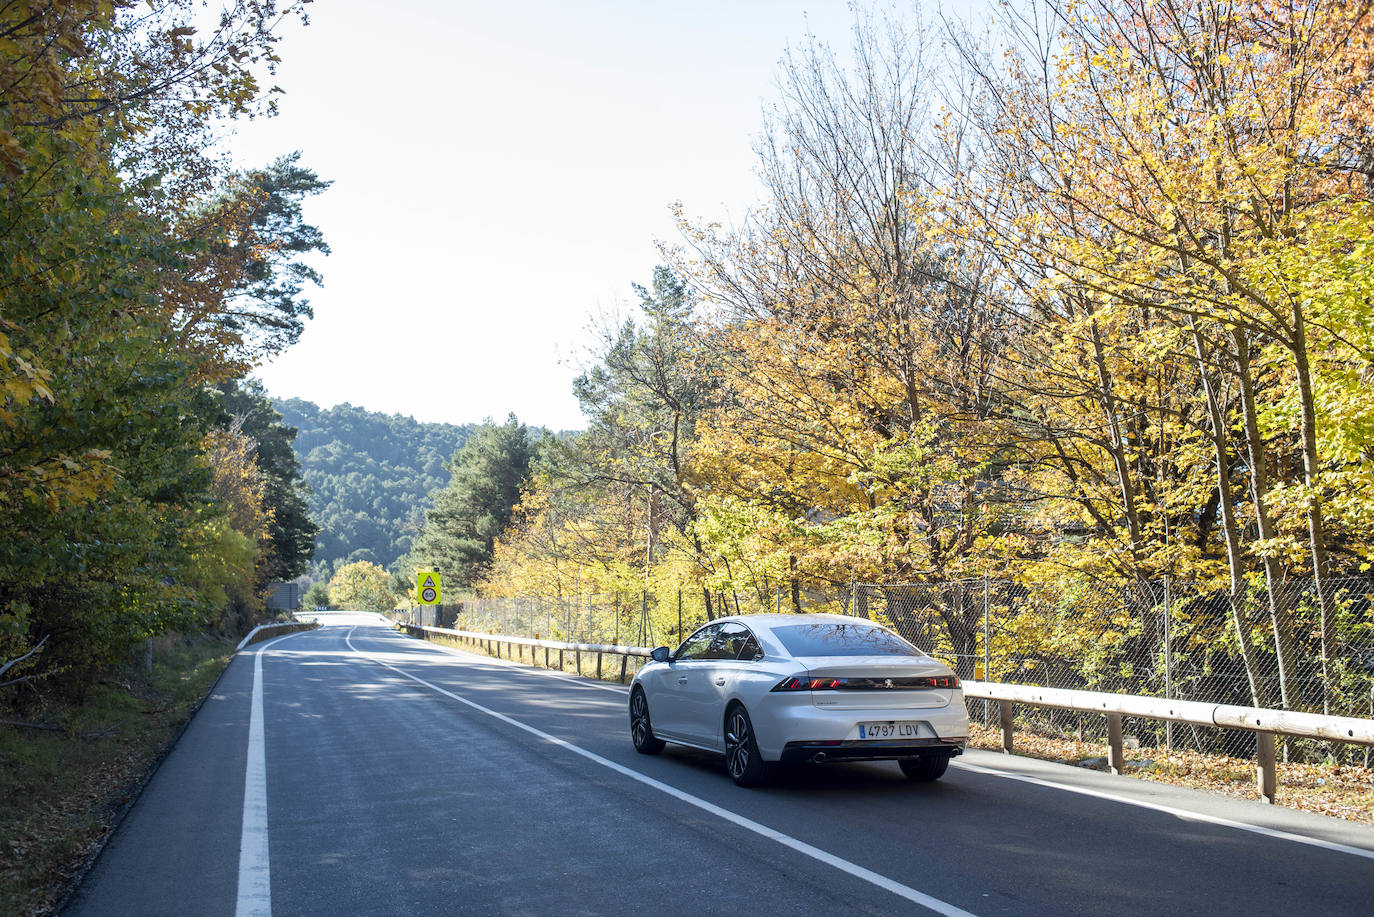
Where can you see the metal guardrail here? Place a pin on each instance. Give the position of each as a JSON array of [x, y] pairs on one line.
[[494, 642], [1265, 723], [268, 631]]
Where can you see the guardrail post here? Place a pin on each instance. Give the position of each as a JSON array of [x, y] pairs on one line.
[[546, 657], [624, 661], [1266, 771], [598, 666], [1004, 712], [561, 666], [577, 658], [1116, 756]]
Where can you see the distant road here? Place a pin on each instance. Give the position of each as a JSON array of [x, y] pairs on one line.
[[391, 776]]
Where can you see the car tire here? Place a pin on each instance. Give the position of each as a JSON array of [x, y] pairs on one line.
[[925, 768], [742, 758], [641, 729]]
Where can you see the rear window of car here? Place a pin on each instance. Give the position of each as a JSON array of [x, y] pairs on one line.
[[827, 638]]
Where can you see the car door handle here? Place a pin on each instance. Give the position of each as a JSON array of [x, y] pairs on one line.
[[682, 680], [720, 682]]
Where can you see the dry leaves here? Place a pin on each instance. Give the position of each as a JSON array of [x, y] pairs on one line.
[[1339, 790]]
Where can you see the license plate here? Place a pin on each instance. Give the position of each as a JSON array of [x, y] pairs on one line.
[[897, 730]]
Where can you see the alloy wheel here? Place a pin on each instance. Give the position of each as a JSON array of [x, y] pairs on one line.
[[737, 745]]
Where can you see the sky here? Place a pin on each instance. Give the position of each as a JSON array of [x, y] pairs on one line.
[[501, 174]]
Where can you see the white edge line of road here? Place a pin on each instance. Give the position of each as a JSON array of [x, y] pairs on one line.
[[853, 869], [255, 872], [1274, 833], [1187, 814]]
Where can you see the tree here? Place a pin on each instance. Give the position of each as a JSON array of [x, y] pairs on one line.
[[860, 362], [317, 596], [235, 297], [244, 405], [460, 530], [1162, 168], [361, 586], [106, 118], [369, 477]]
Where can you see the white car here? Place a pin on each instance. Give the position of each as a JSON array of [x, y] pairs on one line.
[[786, 688]]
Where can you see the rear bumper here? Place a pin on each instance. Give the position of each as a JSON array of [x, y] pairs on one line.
[[789, 719], [798, 752]]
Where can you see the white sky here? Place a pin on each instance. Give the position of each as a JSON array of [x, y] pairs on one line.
[[501, 172]]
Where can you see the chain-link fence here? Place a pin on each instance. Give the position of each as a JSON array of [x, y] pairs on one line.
[[1161, 639]]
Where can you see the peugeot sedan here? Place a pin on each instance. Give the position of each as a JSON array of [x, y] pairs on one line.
[[772, 689]]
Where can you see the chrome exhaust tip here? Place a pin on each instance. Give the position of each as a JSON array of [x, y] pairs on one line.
[[818, 758]]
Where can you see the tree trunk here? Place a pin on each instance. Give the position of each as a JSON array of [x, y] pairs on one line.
[[1118, 450], [1281, 617], [1234, 558], [1311, 468]]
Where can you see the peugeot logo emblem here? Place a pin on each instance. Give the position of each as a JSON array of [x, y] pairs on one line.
[[888, 683]]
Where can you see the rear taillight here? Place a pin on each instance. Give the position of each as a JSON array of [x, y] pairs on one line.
[[809, 683]]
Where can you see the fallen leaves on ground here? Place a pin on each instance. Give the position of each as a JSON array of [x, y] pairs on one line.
[[1339, 790]]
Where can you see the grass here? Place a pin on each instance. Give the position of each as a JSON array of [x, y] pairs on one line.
[[67, 775]]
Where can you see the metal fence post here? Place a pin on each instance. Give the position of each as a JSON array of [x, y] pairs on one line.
[[987, 649], [1168, 662]]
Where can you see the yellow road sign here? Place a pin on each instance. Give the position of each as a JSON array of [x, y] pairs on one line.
[[427, 587]]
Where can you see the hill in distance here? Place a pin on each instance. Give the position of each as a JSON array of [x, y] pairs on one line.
[[371, 475]]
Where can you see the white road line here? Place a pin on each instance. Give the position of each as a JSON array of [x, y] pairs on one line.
[[255, 871], [255, 875], [853, 869], [1172, 810], [1039, 781]]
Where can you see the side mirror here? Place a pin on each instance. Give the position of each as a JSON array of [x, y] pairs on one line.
[[661, 654]]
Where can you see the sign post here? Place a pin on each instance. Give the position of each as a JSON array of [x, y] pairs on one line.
[[427, 591]]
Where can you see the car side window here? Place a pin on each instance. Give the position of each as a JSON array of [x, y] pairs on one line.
[[697, 645], [729, 642], [750, 649]]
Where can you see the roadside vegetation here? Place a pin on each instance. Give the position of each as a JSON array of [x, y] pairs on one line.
[[370, 478], [147, 486], [70, 769], [1081, 305], [149, 492], [1341, 790]]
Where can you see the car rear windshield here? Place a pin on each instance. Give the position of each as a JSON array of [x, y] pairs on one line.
[[827, 638]]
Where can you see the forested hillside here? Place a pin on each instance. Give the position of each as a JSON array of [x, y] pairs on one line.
[[371, 475]]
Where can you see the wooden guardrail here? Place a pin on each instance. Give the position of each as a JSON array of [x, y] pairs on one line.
[[1264, 722]]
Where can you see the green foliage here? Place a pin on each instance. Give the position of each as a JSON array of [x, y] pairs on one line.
[[122, 297], [361, 586], [317, 596], [99, 754], [369, 477], [468, 514], [292, 531]]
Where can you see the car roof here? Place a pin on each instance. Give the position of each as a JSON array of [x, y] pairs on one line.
[[773, 619]]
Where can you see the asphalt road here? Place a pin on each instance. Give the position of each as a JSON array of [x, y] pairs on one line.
[[391, 776]]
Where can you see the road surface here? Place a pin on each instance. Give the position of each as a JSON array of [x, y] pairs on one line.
[[384, 775]]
